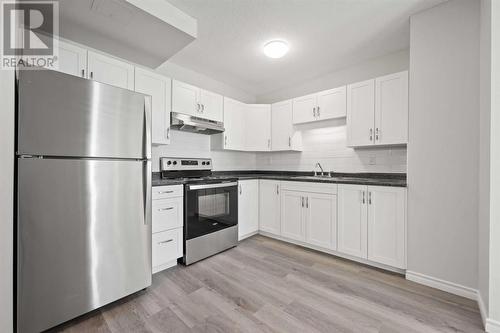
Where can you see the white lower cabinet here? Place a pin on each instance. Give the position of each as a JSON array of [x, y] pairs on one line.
[[321, 220], [352, 220], [387, 225], [269, 206], [248, 208], [167, 226], [372, 223], [292, 215]]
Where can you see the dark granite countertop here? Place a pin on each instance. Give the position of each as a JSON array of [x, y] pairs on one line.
[[380, 179]]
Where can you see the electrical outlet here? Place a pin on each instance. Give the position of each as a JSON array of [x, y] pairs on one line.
[[372, 160]]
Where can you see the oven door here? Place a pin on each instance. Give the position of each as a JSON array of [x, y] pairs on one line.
[[210, 208]]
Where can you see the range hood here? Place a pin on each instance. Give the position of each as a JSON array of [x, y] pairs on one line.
[[187, 123]]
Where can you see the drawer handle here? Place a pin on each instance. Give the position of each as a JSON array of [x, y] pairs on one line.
[[166, 241], [163, 192], [163, 209]]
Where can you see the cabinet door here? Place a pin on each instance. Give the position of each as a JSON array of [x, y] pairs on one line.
[[269, 206], [292, 214], [110, 71], [72, 59], [257, 127], [387, 225], [211, 105], [352, 220], [185, 99], [360, 113], [281, 126], [304, 109], [391, 109], [332, 103], [321, 220], [159, 88], [248, 207], [234, 134]]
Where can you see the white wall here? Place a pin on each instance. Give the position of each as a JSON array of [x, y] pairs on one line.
[[443, 149], [6, 198], [184, 144], [484, 154], [391, 63], [325, 142], [494, 310]]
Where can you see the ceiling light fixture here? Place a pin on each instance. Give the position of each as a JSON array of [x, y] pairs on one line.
[[276, 48]]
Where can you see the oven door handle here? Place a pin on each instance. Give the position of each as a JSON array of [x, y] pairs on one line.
[[208, 186]]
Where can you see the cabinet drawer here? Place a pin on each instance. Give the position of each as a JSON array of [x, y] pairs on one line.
[[171, 191], [326, 188], [167, 246], [167, 214]]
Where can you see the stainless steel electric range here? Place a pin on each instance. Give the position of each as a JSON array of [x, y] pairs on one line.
[[210, 207]]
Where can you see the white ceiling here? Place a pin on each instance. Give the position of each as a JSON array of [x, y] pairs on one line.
[[324, 36]]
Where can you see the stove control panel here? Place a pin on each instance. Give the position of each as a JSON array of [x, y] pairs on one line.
[[175, 163]]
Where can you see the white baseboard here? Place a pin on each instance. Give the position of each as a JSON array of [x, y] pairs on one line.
[[492, 326], [450, 287], [164, 266]]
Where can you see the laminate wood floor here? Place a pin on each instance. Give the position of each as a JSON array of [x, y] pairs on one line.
[[264, 285]]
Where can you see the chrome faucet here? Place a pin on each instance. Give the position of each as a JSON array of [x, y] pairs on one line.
[[320, 167]]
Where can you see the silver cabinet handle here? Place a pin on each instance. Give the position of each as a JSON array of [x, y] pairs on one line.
[[363, 200], [165, 241], [83, 72], [92, 75], [164, 209], [370, 198], [317, 111], [240, 189], [377, 132], [371, 134], [202, 108], [268, 143], [277, 189], [302, 198], [225, 140], [314, 112], [164, 192], [289, 141], [307, 202], [168, 133], [198, 107]]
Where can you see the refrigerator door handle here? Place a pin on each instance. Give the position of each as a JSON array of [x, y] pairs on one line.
[[147, 124], [147, 192]]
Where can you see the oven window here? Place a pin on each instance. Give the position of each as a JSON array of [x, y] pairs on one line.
[[214, 205], [209, 210]]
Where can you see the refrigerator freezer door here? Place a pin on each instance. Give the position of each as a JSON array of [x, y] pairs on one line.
[[63, 115], [84, 236]]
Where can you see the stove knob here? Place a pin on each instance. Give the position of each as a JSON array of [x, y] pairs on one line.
[[175, 162], [169, 162], [208, 163], [202, 163]]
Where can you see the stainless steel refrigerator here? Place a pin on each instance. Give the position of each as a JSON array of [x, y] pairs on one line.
[[83, 196]]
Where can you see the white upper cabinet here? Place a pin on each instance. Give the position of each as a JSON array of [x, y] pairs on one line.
[[331, 104], [159, 88], [324, 105], [360, 113], [283, 135], [352, 220], [377, 111], [387, 225], [191, 100], [269, 206], [111, 71], [185, 98], [304, 109], [248, 208], [211, 105], [257, 127], [233, 137], [72, 59], [391, 109]]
